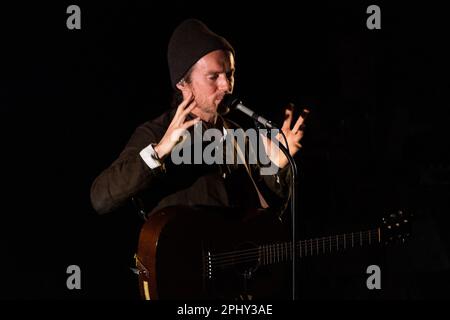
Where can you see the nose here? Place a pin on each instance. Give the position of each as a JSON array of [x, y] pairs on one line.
[[225, 84]]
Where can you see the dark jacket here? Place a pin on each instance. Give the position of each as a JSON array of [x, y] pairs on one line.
[[213, 185]]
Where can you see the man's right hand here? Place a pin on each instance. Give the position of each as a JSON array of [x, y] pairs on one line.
[[177, 128]]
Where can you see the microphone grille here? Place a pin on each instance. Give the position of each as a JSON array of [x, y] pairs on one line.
[[228, 103]]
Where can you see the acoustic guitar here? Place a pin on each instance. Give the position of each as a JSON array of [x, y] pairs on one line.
[[217, 253]]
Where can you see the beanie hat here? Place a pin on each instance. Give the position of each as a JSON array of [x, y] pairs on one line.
[[190, 41]]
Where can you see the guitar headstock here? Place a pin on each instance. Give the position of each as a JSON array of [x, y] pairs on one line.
[[396, 227]]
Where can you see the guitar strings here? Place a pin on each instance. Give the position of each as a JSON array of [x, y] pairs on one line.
[[280, 251], [327, 240], [267, 257]]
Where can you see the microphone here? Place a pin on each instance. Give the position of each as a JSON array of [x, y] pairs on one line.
[[234, 103]]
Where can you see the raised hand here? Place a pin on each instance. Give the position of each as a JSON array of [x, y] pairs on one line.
[[177, 128], [293, 137]]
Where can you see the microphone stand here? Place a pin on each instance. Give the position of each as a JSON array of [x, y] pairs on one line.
[[293, 203]]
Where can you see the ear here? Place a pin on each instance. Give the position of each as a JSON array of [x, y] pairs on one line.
[[185, 89], [181, 85]]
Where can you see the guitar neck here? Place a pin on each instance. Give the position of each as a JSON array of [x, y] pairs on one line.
[[279, 252]]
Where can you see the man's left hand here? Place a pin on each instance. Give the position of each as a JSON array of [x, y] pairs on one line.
[[293, 137]]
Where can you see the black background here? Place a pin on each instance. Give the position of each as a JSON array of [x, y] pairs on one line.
[[376, 140]]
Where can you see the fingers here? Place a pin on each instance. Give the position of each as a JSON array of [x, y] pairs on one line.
[[305, 113], [189, 108], [186, 102], [190, 123], [300, 121], [181, 114], [288, 117]]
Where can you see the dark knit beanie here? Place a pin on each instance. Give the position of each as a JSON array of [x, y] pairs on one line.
[[190, 41]]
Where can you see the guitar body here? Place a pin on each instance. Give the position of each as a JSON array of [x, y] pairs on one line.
[[201, 253]]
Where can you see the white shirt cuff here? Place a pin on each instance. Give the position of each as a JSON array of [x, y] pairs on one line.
[[150, 157]]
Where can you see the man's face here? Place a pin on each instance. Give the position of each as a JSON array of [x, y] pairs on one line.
[[212, 77]]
